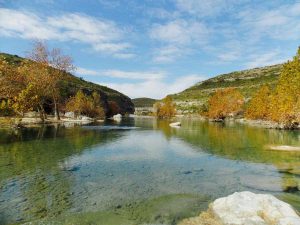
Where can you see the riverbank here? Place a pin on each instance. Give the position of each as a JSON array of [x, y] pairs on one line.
[[7, 122], [255, 123]]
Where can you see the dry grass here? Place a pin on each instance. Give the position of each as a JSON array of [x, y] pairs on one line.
[[205, 218]]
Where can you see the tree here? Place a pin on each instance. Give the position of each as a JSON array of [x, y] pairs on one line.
[[166, 108], [286, 100], [57, 65], [260, 104], [25, 101], [82, 104], [224, 103]]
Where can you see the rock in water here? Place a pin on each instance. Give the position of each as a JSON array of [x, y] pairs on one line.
[[246, 208], [117, 117], [176, 124]]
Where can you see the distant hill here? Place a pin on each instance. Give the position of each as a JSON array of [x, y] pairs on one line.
[[71, 84], [143, 102], [247, 81]]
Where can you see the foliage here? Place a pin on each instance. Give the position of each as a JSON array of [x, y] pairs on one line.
[[224, 103], [260, 104], [286, 101], [6, 107], [166, 108], [25, 101], [283, 104], [16, 73], [82, 104]]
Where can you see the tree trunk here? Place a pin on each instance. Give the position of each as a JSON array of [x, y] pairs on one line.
[[42, 113], [56, 111]]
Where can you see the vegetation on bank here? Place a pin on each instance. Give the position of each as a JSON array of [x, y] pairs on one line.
[[43, 83], [165, 109], [279, 102], [247, 82]]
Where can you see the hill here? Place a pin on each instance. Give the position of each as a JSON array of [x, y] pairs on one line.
[[71, 84], [143, 102], [246, 81]]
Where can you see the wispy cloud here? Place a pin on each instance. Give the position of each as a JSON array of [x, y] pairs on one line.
[[179, 35], [102, 35], [156, 88]]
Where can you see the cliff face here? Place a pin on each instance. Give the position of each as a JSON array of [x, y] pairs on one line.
[[71, 84]]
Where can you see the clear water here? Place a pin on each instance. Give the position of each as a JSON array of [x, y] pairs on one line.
[[138, 172]]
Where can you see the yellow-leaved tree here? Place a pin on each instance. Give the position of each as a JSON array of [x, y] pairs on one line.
[[260, 104], [224, 103], [286, 100], [166, 108]]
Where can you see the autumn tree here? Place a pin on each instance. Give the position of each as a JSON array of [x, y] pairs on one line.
[[166, 108], [286, 101], [224, 103], [57, 65], [82, 104], [260, 104]]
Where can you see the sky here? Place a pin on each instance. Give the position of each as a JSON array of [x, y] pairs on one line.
[[151, 48]]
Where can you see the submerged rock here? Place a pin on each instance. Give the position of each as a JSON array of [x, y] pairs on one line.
[[175, 124], [247, 208]]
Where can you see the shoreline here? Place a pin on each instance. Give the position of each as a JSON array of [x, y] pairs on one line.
[[15, 121]]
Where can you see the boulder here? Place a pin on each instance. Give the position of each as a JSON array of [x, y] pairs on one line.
[[117, 117], [86, 118], [175, 124], [70, 115], [246, 208]]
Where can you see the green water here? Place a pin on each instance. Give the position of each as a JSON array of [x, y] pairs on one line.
[[138, 172]]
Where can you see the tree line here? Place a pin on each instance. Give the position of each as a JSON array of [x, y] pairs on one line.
[[35, 84], [279, 103]]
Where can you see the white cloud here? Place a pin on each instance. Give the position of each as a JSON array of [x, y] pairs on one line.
[[180, 32], [102, 35], [179, 35], [265, 59], [282, 23], [156, 88], [132, 75], [83, 71]]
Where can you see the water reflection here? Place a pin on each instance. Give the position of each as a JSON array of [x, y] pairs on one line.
[[86, 174]]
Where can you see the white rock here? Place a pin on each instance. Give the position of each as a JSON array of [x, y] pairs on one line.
[[86, 118], [117, 117], [175, 124], [70, 115], [246, 208]]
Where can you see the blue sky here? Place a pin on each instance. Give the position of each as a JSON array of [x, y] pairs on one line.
[[151, 48]]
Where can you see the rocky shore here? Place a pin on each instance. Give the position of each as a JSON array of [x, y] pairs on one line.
[[246, 208]]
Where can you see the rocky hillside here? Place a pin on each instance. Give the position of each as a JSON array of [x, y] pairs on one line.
[[247, 81], [71, 84]]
